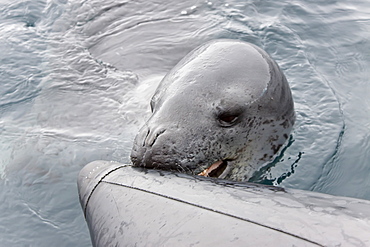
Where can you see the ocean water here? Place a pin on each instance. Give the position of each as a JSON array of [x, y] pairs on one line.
[[76, 79]]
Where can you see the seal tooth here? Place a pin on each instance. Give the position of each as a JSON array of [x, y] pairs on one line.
[[214, 170]]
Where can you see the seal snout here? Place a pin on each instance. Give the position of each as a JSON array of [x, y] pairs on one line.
[[142, 151]]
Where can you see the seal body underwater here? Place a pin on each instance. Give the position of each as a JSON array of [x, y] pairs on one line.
[[226, 103]]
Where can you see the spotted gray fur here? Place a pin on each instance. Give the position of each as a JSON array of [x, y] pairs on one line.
[[226, 100]]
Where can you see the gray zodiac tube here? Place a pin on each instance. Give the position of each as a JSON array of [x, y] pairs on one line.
[[126, 206]]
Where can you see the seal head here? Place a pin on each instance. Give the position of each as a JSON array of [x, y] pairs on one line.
[[226, 103]]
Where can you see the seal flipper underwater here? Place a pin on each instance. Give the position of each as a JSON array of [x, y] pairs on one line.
[[226, 103]]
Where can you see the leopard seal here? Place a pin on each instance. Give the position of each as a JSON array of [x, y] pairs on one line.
[[226, 103]]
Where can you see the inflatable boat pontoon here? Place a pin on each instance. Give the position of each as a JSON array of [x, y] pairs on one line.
[[127, 206]]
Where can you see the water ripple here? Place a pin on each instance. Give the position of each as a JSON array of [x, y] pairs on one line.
[[77, 77]]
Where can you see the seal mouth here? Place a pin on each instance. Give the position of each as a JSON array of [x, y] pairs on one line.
[[215, 170]]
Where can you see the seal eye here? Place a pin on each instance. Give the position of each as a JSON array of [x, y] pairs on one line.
[[228, 114], [227, 119]]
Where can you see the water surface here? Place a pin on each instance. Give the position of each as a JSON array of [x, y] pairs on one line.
[[77, 77]]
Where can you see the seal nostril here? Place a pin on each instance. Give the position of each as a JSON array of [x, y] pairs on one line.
[[152, 137], [156, 136], [146, 137]]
